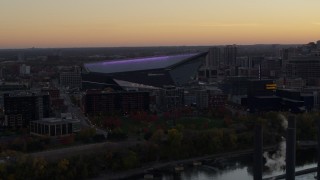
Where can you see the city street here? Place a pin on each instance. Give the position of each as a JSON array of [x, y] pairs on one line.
[[78, 114]]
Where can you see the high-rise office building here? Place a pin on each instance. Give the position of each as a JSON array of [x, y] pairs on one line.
[[23, 106], [230, 55], [211, 64], [99, 102], [213, 58], [71, 77], [307, 68]]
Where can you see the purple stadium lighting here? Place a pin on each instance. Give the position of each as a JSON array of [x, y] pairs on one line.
[[129, 61], [136, 64]]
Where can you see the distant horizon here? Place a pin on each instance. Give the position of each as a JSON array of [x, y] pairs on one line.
[[150, 46]]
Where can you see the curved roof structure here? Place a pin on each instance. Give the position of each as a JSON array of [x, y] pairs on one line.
[[116, 66]]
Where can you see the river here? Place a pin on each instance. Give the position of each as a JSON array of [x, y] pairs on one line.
[[236, 168]]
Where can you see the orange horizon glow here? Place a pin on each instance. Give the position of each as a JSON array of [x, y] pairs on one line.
[[96, 23]]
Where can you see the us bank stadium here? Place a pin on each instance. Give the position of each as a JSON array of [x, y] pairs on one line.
[[175, 70]]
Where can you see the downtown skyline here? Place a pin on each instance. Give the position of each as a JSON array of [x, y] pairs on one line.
[[96, 23]]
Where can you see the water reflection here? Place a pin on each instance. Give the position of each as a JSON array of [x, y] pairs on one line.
[[239, 168], [221, 169]]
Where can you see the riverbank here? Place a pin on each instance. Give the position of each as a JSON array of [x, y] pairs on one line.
[[58, 154], [158, 165]]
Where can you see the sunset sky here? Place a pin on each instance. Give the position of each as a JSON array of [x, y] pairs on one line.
[[92, 23]]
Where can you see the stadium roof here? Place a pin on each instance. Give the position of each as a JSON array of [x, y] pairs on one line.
[[139, 64]]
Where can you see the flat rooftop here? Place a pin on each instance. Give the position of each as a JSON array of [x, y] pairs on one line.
[[114, 66], [267, 97], [54, 120], [25, 93]]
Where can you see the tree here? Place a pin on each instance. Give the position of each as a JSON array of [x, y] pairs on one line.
[[174, 140], [306, 127], [86, 134], [230, 139], [227, 121], [157, 136], [215, 141], [111, 122], [174, 137], [81, 168], [130, 160], [63, 165], [3, 171], [66, 140], [39, 165]]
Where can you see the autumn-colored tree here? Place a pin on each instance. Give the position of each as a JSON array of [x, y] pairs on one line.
[[40, 166], [111, 122], [86, 134], [66, 140], [174, 140], [229, 139], [63, 165], [157, 136], [130, 160], [227, 121]]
